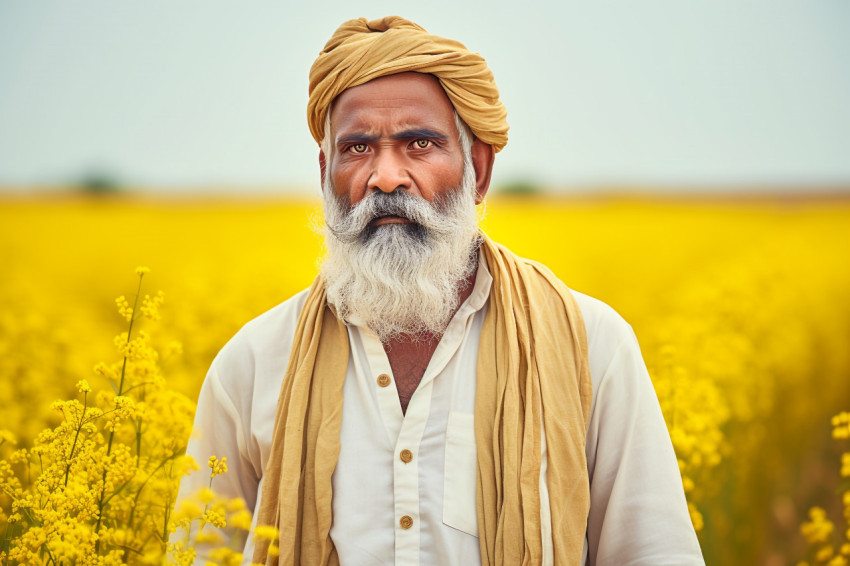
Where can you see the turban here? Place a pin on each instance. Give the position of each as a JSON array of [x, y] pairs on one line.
[[362, 50]]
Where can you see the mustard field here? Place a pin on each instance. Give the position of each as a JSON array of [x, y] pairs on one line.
[[742, 309]]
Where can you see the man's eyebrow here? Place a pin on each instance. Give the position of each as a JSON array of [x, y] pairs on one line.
[[411, 134], [417, 133], [353, 139]]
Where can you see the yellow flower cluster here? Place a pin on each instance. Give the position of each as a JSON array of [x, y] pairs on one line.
[[819, 531], [742, 310], [221, 543], [150, 305], [217, 466], [841, 425], [267, 534], [819, 528], [99, 487], [124, 308]]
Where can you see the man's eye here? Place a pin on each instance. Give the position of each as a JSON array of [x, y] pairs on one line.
[[358, 148], [422, 144]]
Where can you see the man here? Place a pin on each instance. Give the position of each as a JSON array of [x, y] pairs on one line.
[[432, 398]]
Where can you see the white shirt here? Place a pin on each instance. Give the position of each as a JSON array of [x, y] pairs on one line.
[[638, 514]]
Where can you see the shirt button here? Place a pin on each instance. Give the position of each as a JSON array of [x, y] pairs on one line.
[[383, 380], [406, 456], [406, 522]]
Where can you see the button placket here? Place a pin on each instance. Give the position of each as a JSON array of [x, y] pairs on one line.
[[383, 384], [376, 490], [406, 476]]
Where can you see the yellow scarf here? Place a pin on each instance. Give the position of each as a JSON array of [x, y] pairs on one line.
[[532, 369]]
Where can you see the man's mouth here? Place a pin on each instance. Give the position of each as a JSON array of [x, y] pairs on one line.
[[382, 220]]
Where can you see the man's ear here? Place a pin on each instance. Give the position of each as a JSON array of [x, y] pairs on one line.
[[483, 157], [323, 163]]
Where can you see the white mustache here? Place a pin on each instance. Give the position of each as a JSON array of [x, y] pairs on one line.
[[355, 224]]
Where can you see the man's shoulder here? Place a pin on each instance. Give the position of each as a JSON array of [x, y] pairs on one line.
[[264, 338], [607, 331], [278, 318], [599, 317]]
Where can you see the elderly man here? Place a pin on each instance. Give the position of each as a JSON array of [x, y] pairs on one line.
[[432, 398]]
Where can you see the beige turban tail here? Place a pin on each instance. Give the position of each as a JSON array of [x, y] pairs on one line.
[[362, 50]]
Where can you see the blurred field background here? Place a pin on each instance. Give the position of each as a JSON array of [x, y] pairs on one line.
[[742, 309], [685, 163]]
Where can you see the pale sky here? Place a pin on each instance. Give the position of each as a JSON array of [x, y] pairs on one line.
[[182, 95]]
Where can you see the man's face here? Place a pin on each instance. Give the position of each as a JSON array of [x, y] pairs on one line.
[[399, 202], [394, 133]]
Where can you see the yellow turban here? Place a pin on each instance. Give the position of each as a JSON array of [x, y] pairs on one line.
[[362, 50]]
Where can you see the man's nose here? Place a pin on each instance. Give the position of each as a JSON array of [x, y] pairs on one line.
[[388, 173]]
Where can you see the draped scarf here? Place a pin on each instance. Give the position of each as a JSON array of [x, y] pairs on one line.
[[532, 377]]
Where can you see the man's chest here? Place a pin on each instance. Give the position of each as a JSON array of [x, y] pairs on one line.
[[404, 486], [408, 359]]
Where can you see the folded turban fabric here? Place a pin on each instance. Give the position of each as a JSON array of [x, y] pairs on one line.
[[362, 50]]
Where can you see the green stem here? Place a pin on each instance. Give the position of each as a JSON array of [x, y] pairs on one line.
[[142, 384], [76, 436], [150, 536], [206, 508], [138, 441], [130, 332], [103, 414], [165, 522], [112, 432], [118, 491], [144, 483], [7, 538], [29, 471], [32, 518], [49, 554]]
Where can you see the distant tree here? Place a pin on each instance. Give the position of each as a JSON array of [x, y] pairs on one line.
[[519, 187], [98, 182]]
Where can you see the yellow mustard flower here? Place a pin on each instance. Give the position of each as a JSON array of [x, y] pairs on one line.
[[217, 467], [266, 532], [819, 528]]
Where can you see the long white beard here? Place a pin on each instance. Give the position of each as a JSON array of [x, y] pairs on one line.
[[400, 280]]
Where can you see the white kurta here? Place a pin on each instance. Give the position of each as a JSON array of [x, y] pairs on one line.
[[404, 485]]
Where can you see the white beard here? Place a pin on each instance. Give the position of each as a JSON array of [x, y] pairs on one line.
[[400, 280]]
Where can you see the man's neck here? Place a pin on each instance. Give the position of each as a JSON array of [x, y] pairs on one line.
[[409, 356]]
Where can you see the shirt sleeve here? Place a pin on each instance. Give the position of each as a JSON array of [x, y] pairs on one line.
[[638, 513], [218, 431]]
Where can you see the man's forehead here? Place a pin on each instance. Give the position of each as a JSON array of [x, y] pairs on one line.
[[362, 124], [398, 102]]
